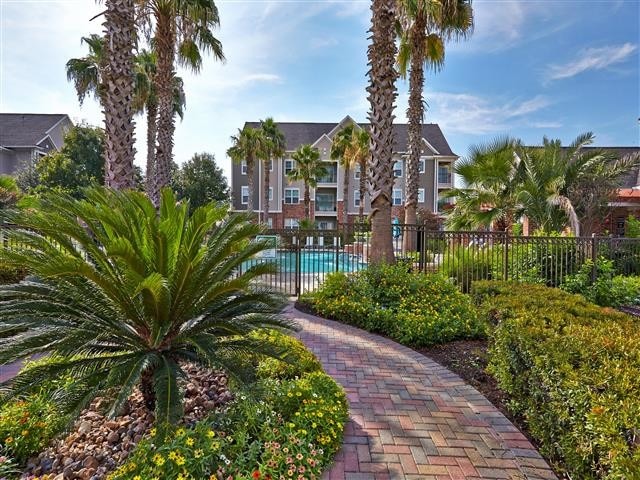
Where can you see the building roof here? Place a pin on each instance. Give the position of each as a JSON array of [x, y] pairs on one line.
[[26, 129], [299, 133]]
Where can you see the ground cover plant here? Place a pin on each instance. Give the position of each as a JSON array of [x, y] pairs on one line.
[[412, 308], [572, 370]]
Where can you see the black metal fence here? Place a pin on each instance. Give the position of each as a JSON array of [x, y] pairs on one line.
[[305, 257]]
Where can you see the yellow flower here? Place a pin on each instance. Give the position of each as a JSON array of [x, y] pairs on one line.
[[8, 440], [189, 442], [211, 434], [180, 432], [180, 460], [137, 477]]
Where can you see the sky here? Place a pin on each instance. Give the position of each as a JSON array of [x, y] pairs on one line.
[[531, 68]]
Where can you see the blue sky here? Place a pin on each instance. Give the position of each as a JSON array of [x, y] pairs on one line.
[[531, 68]]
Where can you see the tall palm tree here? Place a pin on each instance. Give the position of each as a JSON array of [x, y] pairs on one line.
[[248, 146], [182, 31], [424, 26], [274, 148], [492, 175], [382, 94], [86, 72], [361, 155], [308, 169], [341, 151], [117, 98]]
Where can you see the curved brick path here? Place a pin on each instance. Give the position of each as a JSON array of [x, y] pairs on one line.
[[412, 418]]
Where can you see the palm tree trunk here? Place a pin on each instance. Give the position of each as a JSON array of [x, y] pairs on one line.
[[382, 94], [165, 40], [345, 194], [250, 167], [363, 187], [120, 35], [267, 182], [415, 115], [307, 202], [152, 131]]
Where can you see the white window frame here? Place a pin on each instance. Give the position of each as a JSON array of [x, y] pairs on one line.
[[244, 189], [291, 162], [356, 172], [292, 223], [356, 198], [270, 222], [243, 167], [401, 163], [423, 163], [291, 190], [270, 193], [421, 195], [396, 197]]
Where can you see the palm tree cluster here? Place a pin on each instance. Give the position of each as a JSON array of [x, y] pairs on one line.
[[128, 80], [553, 186]]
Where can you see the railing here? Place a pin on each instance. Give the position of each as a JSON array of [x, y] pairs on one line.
[[323, 206]]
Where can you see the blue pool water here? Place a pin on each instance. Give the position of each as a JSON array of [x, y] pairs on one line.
[[323, 261]]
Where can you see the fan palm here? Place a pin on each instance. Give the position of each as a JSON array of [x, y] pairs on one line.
[[121, 295], [423, 27], [274, 148], [86, 72], [249, 145], [181, 30], [361, 155], [341, 151], [381, 95], [308, 169]]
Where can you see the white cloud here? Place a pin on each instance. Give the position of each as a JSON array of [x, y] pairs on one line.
[[323, 42], [592, 59]]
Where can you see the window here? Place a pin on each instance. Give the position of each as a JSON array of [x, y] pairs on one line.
[[243, 167], [397, 196], [397, 169], [291, 223], [244, 194], [421, 195], [356, 172], [291, 196], [444, 173], [270, 193], [270, 222], [356, 199], [289, 164], [270, 164], [421, 166]]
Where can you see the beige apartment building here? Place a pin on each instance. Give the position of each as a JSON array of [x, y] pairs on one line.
[[328, 207]]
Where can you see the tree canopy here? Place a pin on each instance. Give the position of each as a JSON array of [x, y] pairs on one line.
[[201, 181]]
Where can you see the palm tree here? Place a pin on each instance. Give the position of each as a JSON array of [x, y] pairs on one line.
[[117, 98], [492, 175], [128, 294], [182, 30], [308, 169], [382, 94], [424, 26], [86, 72], [341, 151], [248, 146], [274, 148], [361, 155]]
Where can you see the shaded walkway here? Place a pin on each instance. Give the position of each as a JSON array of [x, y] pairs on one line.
[[412, 418]]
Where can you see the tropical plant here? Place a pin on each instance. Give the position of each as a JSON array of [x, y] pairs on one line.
[[340, 150], [308, 169], [120, 37], [86, 72], [181, 30], [127, 293], [382, 93], [274, 148], [9, 192], [361, 154], [200, 181], [424, 26], [248, 146], [492, 178]]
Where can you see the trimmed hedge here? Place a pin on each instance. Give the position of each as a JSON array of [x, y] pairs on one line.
[[414, 309], [573, 371]]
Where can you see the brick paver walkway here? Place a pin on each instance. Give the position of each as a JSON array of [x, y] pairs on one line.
[[412, 418]]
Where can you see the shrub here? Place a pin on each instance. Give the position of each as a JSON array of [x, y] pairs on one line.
[[132, 290], [572, 370], [466, 264], [608, 290], [295, 361], [293, 431], [413, 308], [10, 274]]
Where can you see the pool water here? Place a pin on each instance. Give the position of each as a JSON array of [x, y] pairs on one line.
[[323, 261]]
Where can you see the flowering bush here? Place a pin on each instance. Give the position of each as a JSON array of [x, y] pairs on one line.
[[290, 432], [412, 308], [296, 359]]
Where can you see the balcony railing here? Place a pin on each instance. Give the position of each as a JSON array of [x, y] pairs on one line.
[[326, 206], [332, 177]]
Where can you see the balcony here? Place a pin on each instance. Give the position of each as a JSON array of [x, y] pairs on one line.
[[327, 207], [445, 176], [445, 205], [331, 176]]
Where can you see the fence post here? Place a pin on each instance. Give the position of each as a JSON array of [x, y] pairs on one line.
[[505, 260], [297, 270], [594, 257], [336, 241]]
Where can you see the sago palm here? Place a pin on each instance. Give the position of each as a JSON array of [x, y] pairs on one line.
[[249, 145], [309, 168], [274, 148], [121, 295]]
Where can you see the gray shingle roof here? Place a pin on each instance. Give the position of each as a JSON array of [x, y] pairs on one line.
[[299, 133], [25, 129]]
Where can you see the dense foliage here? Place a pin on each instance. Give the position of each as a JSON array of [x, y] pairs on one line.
[[572, 370], [200, 181], [127, 292], [413, 308]]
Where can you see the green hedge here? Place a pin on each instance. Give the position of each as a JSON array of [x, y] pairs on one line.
[[412, 308], [572, 370], [9, 275]]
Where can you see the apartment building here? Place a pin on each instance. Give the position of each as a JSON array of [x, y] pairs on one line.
[[328, 207]]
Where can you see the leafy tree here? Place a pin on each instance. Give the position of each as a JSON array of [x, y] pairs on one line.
[[127, 294], [249, 145], [274, 148], [201, 181], [9, 192], [308, 169]]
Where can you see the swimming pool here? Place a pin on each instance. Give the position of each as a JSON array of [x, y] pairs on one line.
[[318, 261]]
